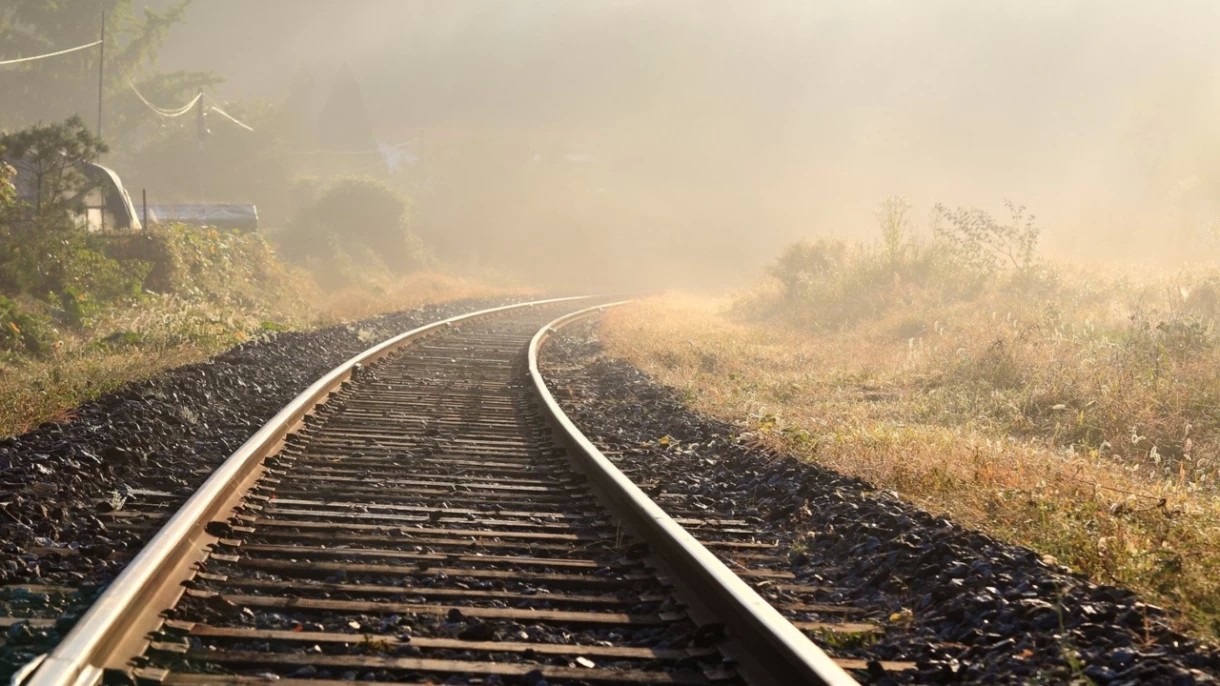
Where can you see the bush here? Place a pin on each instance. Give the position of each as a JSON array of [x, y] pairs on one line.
[[803, 265], [8, 192], [982, 243], [361, 218], [21, 332], [829, 284], [43, 251], [892, 217]]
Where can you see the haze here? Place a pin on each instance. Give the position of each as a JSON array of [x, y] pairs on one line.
[[702, 136]]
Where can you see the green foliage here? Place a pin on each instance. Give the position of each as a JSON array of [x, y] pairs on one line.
[[8, 196], [50, 158], [92, 281], [22, 332], [229, 268], [8, 190], [45, 254], [344, 122], [982, 243], [60, 86], [355, 219]]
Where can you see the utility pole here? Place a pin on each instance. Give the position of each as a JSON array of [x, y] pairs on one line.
[[101, 74]]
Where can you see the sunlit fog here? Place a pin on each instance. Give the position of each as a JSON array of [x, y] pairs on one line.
[[642, 144]]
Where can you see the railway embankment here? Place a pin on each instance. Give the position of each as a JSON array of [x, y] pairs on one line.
[[965, 607], [153, 440]]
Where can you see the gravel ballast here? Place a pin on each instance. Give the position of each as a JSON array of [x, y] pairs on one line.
[[155, 441], [965, 607]]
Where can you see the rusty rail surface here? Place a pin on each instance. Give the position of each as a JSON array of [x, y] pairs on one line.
[[412, 516]]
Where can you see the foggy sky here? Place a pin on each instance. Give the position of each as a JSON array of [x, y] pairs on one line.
[[747, 124]]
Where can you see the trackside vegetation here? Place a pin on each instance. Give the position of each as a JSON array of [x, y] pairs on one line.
[[82, 313], [1074, 412]]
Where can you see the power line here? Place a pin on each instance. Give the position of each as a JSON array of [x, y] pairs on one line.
[[217, 109], [231, 118], [185, 108], [49, 54], [372, 151], [168, 113]]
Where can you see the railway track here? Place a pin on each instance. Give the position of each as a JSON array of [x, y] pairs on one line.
[[425, 513]]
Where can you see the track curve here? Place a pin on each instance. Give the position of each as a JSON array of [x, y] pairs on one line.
[[412, 517]]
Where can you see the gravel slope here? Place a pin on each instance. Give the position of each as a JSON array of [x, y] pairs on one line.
[[58, 482], [965, 607]]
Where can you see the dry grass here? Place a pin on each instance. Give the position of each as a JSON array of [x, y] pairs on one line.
[[1063, 423], [392, 295], [162, 332]]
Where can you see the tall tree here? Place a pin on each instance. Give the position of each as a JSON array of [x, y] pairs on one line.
[[39, 236], [56, 88], [344, 125]]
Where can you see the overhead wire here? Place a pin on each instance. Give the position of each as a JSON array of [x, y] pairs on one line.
[[372, 151], [49, 54], [230, 117], [164, 112], [212, 107], [168, 113]]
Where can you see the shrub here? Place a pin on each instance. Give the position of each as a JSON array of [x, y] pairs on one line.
[[8, 192], [895, 227], [829, 284], [359, 217], [53, 156], [22, 332], [803, 264], [982, 243], [43, 251]]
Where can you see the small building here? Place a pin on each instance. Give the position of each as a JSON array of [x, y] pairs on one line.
[[104, 203], [107, 204]]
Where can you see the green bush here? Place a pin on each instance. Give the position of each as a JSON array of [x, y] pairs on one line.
[[22, 332], [359, 217], [8, 192], [44, 253]]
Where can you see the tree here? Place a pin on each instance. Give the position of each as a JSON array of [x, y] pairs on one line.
[[344, 123], [59, 87], [359, 217], [982, 243], [51, 159], [39, 236]]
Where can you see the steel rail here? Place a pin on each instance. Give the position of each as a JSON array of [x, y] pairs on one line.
[[117, 619], [772, 649]]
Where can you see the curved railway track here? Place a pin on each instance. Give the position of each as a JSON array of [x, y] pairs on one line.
[[426, 513]]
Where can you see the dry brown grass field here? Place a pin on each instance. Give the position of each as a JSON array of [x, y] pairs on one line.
[[1077, 414]]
